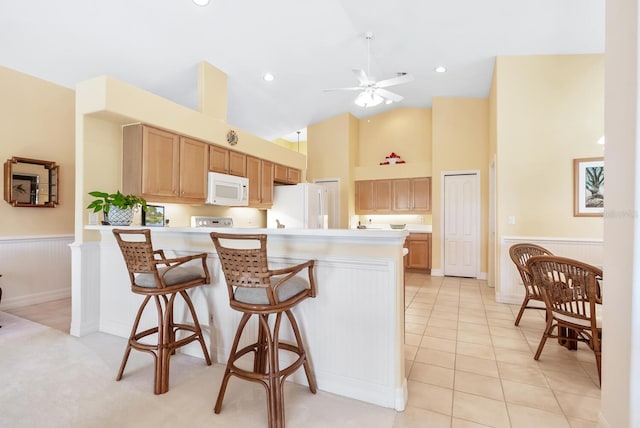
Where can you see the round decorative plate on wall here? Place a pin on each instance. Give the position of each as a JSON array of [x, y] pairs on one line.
[[232, 137]]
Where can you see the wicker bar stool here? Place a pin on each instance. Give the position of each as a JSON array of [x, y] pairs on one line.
[[154, 276], [254, 289]]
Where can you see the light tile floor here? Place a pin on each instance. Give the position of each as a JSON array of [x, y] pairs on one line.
[[467, 364]]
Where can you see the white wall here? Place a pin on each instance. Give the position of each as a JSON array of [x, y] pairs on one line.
[[621, 328]]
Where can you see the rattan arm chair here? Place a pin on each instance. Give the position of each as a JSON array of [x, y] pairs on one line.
[[254, 289], [519, 254], [152, 275], [572, 293]]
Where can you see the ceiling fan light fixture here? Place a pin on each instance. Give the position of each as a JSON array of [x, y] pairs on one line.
[[201, 2], [368, 99]]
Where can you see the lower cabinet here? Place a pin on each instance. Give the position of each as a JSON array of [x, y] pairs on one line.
[[419, 256]]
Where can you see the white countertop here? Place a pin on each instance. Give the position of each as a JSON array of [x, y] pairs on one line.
[[412, 228], [386, 236]]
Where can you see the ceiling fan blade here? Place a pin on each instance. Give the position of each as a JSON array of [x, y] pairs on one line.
[[353, 88], [405, 78], [389, 95], [362, 77]]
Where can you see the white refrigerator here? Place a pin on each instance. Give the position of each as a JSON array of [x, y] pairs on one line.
[[301, 206]]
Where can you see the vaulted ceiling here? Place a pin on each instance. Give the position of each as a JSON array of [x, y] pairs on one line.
[[307, 45]]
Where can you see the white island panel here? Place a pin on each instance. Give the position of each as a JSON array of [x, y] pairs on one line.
[[354, 328]]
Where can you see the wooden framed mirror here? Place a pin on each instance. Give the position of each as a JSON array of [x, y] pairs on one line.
[[31, 183]]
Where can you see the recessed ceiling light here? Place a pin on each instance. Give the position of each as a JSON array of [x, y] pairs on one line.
[[440, 69], [201, 2], [268, 77]]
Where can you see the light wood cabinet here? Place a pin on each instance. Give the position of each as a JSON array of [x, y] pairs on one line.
[[419, 246], [260, 174], [397, 196], [237, 164], [412, 195], [227, 161], [193, 169], [364, 197], [421, 194], [373, 196], [161, 166], [218, 159], [286, 175]]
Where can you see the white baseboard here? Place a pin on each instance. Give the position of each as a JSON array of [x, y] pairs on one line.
[[438, 272], [35, 298]]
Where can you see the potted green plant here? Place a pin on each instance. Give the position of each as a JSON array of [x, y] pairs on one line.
[[118, 208]]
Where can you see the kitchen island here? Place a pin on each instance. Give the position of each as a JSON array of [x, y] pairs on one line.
[[354, 328]]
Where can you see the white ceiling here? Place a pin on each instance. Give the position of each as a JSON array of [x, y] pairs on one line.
[[309, 45]]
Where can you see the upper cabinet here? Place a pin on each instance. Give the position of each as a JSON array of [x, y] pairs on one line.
[[373, 196], [286, 175], [398, 196], [260, 174], [162, 166], [227, 161], [193, 169], [218, 159], [412, 195]]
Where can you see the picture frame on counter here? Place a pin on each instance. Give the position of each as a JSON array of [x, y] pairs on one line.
[[153, 216]]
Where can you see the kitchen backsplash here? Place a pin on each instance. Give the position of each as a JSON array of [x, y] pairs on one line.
[[179, 215], [390, 219]]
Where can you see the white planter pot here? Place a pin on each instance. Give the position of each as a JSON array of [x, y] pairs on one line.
[[119, 217]]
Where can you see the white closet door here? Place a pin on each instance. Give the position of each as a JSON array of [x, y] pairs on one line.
[[461, 213]]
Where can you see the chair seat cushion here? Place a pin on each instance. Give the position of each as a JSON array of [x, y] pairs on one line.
[[579, 321], [258, 295], [175, 276]]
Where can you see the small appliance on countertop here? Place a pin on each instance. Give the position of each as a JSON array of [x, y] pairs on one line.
[[204, 221]]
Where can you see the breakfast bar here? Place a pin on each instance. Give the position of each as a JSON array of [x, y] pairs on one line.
[[353, 329]]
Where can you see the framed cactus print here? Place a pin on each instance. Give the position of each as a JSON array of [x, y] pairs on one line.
[[588, 199]]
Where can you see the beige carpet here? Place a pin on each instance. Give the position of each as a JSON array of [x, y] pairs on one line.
[[50, 379]]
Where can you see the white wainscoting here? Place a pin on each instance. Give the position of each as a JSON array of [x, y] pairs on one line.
[[34, 269], [511, 288], [353, 328]]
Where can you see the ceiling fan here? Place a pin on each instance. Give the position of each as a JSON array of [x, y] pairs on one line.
[[372, 92]]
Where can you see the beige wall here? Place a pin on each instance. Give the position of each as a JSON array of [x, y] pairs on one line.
[[294, 146], [460, 143], [332, 148], [549, 111], [38, 119], [405, 131]]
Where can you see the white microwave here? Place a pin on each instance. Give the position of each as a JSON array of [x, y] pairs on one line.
[[228, 190]]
